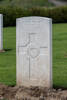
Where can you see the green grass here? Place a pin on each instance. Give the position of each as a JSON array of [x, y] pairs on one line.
[[8, 59], [26, 3], [60, 55]]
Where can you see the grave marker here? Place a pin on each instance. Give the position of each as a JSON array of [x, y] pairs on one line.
[[34, 51]]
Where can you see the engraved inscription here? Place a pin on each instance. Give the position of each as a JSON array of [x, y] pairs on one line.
[[31, 49], [33, 52]]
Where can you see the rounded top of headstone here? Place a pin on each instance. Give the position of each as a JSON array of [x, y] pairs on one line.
[[34, 18], [1, 14]]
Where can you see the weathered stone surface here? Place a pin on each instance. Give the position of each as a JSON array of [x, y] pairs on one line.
[[1, 32], [34, 51]]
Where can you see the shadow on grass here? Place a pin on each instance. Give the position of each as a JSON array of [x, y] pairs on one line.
[[8, 49], [59, 87]]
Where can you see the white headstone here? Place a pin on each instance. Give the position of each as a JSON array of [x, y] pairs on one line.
[[1, 32], [34, 51]]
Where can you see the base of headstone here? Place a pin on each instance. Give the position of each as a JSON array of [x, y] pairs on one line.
[[1, 51]]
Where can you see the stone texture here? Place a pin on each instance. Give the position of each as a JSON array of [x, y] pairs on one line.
[[34, 51], [1, 32]]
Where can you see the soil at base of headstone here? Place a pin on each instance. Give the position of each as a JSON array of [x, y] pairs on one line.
[[31, 93], [2, 51]]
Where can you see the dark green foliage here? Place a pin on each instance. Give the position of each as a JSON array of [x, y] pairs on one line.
[[26, 3], [64, 0], [59, 15]]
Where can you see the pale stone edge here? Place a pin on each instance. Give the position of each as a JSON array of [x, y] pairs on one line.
[[45, 18], [50, 46], [1, 15]]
